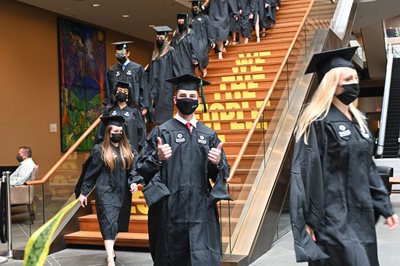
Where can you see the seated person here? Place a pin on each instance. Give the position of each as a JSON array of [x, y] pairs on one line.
[[24, 171]]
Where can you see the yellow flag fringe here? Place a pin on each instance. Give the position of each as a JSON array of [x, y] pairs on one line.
[[38, 245]]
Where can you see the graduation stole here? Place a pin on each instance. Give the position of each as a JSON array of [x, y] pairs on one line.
[[38, 245]]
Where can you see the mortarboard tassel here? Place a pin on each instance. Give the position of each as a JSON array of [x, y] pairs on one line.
[[203, 97]]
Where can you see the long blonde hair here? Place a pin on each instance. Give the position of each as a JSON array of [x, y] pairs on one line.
[[320, 104], [124, 149]]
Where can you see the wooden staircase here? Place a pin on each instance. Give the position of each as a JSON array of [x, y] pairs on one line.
[[240, 83], [137, 236]]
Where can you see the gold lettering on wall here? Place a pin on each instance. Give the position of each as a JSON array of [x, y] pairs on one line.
[[137, 207], [239, 97]]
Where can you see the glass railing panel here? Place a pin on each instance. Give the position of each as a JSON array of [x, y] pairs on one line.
[[25, 218], [61, 185], [262, 141], [319, 17]]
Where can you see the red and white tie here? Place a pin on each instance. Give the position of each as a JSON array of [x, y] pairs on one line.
[[189, 127]]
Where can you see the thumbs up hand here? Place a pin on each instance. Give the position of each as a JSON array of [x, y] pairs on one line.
[[164, 151], [214, 155]]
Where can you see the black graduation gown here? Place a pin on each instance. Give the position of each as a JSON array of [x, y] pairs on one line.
[[337, 191], [233, 9], [248, 7], [186, 52], [202, 26], [184, 227], [135, 128], [113, 198], [132, 73], [220, 19], [162, 92], [267, 15]]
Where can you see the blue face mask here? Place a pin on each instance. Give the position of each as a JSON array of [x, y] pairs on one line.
[[349, 94]]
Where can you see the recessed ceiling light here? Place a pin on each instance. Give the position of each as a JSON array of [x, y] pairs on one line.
[[96, 5], [126, 16]]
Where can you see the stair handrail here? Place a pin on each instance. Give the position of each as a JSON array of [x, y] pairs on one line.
[[266, 99], [71, 149]]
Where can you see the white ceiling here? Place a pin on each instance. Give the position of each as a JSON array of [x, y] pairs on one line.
[[142, 13]]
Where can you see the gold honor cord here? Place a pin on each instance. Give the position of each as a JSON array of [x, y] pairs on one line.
[[38, 245]]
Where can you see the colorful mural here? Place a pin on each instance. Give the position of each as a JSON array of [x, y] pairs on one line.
[[82, 66]]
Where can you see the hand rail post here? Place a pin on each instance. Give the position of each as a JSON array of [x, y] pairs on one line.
[[9, 229], [3, 181]]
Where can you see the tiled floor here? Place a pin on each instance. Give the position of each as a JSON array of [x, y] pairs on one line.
[[281, 254]]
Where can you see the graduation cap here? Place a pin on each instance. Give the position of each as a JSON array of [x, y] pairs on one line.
[[190, 83], [162, 30], [122, 45], [182, 16], [115, 120], [122, 84], [327, 60], [196, 3]]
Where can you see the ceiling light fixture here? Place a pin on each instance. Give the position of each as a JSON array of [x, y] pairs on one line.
[[96, 5], [126, 16]]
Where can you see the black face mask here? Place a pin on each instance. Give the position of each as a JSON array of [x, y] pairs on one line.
[[160, 43], [121, 58], [195, 12], [19, 158], [349, 94], [116, 138], [121, 97], [187, 106], [181, 27]]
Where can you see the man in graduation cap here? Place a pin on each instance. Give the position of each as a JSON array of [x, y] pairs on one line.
[[120, 106], [336, 191], [129, 71], [202, 26], [163, 65], [184, 42], [184, 155]]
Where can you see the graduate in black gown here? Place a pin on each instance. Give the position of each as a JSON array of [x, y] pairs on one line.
[[202, 27], [184, 42], [220, 20], [163, 65], [247, 11], [108, 171], [183, 155], [119, 106], [336, 191], [130, 71]]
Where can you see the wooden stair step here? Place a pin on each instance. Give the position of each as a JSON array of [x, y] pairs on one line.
[[135, 202], [210, 91], [137, 223], [94, 238], [269, 71], [244, 175], [235, 189], [247, 159], [240, 134], [233, 148]]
